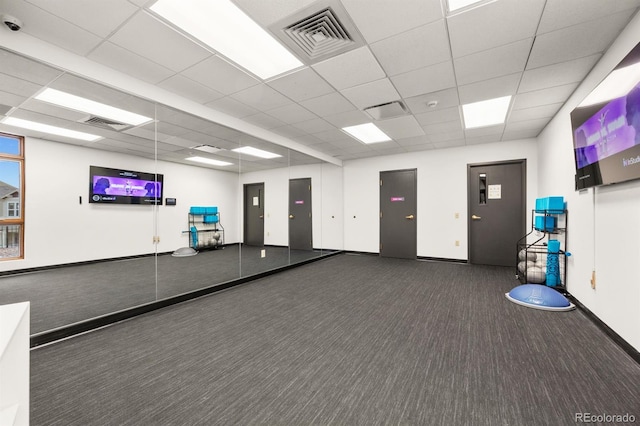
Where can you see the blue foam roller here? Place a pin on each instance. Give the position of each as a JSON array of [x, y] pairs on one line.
[[539, 297]]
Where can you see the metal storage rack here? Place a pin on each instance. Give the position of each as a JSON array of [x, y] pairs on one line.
[[533, 249], [205, 229]]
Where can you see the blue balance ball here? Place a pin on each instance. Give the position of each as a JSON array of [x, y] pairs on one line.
[[539, 297]]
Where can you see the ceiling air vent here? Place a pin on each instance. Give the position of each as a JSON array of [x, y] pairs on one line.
[[319, 32], [104, 123], [386, 110]]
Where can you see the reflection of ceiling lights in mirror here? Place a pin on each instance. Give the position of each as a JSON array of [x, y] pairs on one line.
[[249, 150], [78, 103], [225, 28], [486, 113], [45, 128], [615, 85], [207, 148], [367, 133], [208, 161]]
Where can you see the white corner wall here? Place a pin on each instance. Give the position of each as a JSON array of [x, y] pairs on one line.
[[603, 223], [442, 192], [14, 364], [59, 230]]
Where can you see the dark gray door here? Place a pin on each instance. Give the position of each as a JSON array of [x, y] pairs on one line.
[[300, 232], [254, 214], [398, 214], [496, 200]]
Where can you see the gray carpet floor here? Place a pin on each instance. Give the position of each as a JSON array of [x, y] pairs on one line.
[[66, 295], [348, 340]]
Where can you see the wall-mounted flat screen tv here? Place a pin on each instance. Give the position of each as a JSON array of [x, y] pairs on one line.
[[117, 186], [606, 128]]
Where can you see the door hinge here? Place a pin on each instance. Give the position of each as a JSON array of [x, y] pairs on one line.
[[380, 215], [380, 182]]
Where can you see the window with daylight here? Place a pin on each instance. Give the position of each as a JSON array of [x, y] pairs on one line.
[[11, 197]]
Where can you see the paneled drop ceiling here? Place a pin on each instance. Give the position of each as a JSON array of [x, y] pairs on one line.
[[408, 51]]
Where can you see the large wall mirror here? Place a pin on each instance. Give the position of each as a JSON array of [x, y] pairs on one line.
[[84, 259]]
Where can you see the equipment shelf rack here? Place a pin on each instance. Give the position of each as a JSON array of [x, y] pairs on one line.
[[205, 230]]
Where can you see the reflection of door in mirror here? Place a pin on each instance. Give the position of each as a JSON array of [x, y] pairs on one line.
[[300, 226], [254, 214]]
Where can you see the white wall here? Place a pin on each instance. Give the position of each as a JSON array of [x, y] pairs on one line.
[[442, 192], [603, 227], [61, 230]]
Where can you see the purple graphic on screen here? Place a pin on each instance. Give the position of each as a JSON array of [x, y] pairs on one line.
[[111, 185], [299, 202], [605, 133], [395, 199]]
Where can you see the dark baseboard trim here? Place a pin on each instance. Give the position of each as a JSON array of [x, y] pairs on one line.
[[617, 339], [65, 332], [443, 259]]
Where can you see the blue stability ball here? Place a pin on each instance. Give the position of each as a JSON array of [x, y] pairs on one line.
[[539, 297]]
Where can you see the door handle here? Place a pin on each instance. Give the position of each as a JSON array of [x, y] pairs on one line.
[[474, 217], [290, 216], [261, 217], [410, 217]]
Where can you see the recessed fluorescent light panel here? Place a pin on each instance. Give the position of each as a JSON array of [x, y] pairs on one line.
[[228, 30], [456, 5], [78, 103], [209, 161], [367, 133], [617, 84], [249, 150], [53, 130], [486, 113]]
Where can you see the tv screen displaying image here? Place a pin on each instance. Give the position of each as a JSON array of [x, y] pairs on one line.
[[606, 134], [117, 186]]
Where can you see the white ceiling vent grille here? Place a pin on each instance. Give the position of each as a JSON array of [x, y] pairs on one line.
[[319, 32], [387, 110], [104, 123]]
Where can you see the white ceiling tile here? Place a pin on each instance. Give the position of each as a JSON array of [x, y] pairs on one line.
[[219, 75], [563, 13], [577, 41], [40, 23], [413, 141], [496, 62], [316, 125], [261, 97], [17, 86], [129, 63], [175, 52], [443, 98], [333, 103], [439, 116], [535, 124], [380, 19], [445, 127], [417, 48], [292, 113], [289, 131], [492, 25], [451, 143], [494, 131], [371, 94], [543, 111], [419, 148], [348, 118], [230, 106], [520, 134], [349, 69], [557, 74], [27, 69], [301, 85], [482, 139], [547, 96], [401, 127], [425, 80], [190, 89], [264, 120], [489, 89], [100, 17]]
